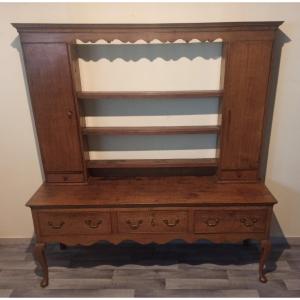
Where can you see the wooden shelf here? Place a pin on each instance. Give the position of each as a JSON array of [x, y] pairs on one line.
[[150, 130], [149, 94], [152, 163]]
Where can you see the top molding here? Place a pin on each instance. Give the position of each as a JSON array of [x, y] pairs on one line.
[[167, 32], [50, 27]]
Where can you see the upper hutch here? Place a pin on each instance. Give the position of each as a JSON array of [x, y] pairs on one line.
[[84, 200]]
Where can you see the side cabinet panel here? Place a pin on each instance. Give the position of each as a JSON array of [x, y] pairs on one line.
[[246, 84], [50, 84]]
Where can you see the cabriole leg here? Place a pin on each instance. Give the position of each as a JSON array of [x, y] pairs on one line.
[[39, 254], [265, 251]]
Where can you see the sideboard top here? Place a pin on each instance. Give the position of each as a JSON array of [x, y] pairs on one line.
[[179, 191]]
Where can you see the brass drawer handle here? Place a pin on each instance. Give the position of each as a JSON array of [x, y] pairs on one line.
[[92, 224], [58, 226], [212, 222], [134, 225], [176, 222], [70, 114], [248, 222]]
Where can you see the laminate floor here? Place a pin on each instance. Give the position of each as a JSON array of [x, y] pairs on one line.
[[132, 270]]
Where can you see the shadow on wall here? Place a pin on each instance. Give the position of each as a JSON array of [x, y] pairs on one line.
[[146, 107], [134, 52], [152, 142], [281, 39], [284, 192], [276, 230]]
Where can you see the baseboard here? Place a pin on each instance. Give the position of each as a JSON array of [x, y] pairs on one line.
[[285, 240]]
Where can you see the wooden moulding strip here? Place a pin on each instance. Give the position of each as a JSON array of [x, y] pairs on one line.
[[161, 130], [152, 163], [149, 94]]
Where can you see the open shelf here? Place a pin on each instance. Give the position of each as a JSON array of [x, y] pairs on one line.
[[152, 163], [150, 130], [150, 94]]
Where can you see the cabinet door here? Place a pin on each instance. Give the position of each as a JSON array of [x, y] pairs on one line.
[[52, 98], [245, 86]]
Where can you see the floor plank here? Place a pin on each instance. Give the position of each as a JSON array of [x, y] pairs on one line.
[[80, 283], [293, 284], [84, 293], [4, 293], [192, 293]]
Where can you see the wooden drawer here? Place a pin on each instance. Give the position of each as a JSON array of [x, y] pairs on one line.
[[170, 221], [64, 177], [234, 221], [161, 221], [134, 221], [81, 223]]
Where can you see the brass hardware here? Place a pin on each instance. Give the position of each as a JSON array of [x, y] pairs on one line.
[[135, 225], [248, 222], [58, 226], [152, 222], [94, 225], [176, 222], [212, 222], [152, 219], [228, 123], [70, 114]]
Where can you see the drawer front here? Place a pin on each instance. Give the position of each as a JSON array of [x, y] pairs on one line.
[[134, 222], [225, 221], [64, 177], [80, 223], [162, 221], [170, 221], [250, 221]]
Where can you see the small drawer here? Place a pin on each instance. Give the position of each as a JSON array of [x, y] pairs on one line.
[[225, 221], [80, 223], [170, 221], [134, 222], [152, 221], [250, 221], [238, 175], [64, 177]]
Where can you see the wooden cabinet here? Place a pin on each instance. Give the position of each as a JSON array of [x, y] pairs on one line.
[[54, 108], [84, 200], [245, 95]]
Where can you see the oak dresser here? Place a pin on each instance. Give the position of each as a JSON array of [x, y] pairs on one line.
[[85, 200]]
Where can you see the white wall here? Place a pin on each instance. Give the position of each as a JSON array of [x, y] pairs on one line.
[[20, 171]]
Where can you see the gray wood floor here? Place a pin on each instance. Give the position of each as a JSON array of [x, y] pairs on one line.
[[131, 270]]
